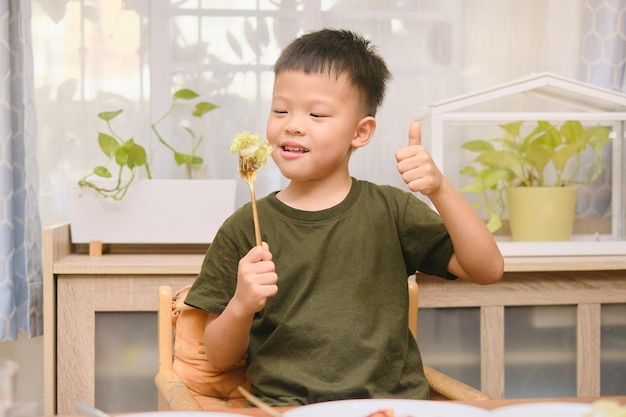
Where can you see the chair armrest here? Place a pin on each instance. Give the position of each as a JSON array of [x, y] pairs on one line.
[[443, 386], [173, 394]]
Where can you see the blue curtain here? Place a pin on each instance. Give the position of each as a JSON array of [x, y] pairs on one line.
[[21, 286], [603, 55]]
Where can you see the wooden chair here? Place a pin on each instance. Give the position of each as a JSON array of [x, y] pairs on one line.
[[175, 395]]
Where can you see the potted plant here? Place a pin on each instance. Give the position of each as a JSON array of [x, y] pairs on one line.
[[103, 207], [128, 156], [551, 161]]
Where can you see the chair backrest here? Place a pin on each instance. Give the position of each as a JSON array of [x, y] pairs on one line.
[[165, 327], [172, 392], [186, 363]]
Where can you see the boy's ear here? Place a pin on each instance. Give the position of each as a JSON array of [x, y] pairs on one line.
[[364, 132]]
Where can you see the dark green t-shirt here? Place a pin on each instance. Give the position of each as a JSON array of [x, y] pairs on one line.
[[337, 329]]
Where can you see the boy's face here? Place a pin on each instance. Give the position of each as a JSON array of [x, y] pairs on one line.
[[313, 124]]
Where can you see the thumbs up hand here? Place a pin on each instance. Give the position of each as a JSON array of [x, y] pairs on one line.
[[416, 166]]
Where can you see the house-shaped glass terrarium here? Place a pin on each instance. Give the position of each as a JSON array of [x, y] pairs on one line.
[[525, 106]]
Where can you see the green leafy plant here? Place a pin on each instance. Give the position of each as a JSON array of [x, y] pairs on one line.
[[128, 156], [199, 110], [548, 156]]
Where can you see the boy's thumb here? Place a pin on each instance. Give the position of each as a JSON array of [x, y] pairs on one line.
[[415, 133]]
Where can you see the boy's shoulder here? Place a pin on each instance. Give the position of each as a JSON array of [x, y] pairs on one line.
[[386, 190]]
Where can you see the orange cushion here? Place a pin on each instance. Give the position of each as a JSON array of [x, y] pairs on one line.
[[212, 387]]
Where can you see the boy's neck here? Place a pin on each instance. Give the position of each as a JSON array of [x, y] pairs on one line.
[[315, 195]]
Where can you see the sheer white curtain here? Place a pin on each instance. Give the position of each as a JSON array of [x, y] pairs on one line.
[[97, 55], [603, 54], [21, 278], [603, 63]]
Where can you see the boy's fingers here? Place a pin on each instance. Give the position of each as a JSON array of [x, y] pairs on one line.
[[259, 253], [415, 133]]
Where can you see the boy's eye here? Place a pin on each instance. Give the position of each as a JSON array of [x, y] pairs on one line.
[[316, 115], [280, 111]]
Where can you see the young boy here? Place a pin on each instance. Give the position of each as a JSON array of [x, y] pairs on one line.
[[320, 309]]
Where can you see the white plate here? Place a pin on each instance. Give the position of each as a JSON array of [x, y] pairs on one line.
[[547, 409], [401, 408], [180, 414]]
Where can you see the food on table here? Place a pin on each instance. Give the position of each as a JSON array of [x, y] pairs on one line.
[[382, 413], [252, 151], [606, 408]]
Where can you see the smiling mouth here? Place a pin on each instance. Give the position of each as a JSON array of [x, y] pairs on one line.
[[294, 149]]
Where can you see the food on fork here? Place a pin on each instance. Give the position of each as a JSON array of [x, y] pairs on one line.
[[252, 154], [252, 151]]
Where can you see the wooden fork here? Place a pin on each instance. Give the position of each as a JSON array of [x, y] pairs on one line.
[[259, 402], [248, 174]]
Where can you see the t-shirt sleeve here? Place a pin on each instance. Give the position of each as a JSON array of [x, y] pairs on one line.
[[427, 244], [217, 280]]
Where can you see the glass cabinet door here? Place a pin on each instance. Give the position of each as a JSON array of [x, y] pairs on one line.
[[540, 351], [613, 350], [126, 361], [449, 341]]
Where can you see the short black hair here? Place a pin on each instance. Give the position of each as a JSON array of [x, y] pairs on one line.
[[339, 52]]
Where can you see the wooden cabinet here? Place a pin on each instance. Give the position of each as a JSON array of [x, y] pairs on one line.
[[81, 290], [89, 301], [586, 291]]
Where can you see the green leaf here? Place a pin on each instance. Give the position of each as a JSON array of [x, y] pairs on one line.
[[185, 94], [489, 178], [469, 170], [545, 134], [472, 188], [505, 160], [512, 128], [189, 159], [203, 108], [538, 156], [564, 154], [599, 137], [102, 171], [572, 131], [511, 144], [478, 145], [547, 139], [136, 155], [197, 160], [182, 158], [494, 223], [121, 156], [108, 144], [107, 116]]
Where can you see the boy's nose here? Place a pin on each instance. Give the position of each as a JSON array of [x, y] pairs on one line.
[[293, 129], [294, 126]]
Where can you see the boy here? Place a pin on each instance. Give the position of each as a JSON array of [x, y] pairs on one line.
[[320, 309]]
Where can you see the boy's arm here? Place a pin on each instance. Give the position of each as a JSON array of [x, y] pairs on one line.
[[226, 336], [476, 257]]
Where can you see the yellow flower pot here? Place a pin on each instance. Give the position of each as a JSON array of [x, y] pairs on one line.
[[541, 213]]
